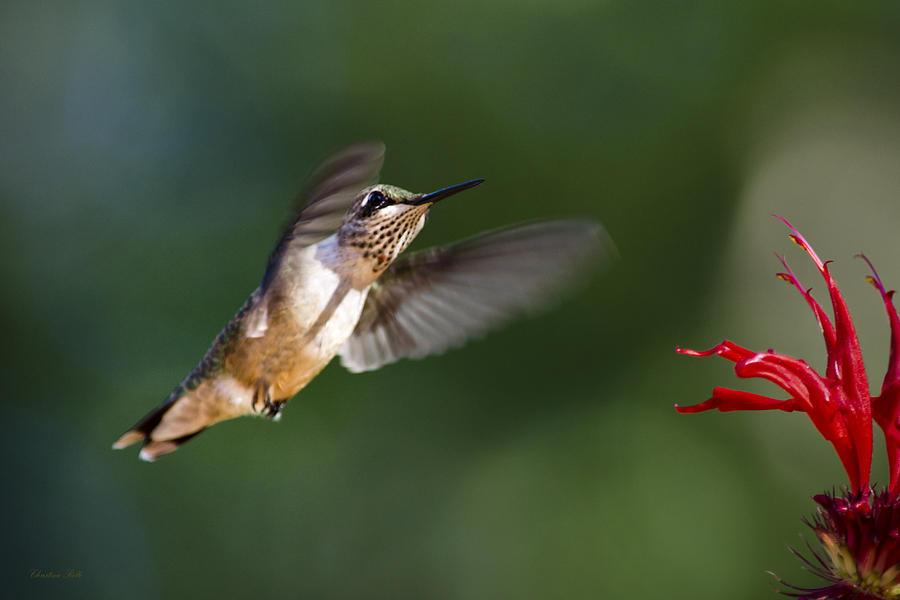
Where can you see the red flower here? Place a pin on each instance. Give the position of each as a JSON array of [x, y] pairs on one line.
[[864, 527]]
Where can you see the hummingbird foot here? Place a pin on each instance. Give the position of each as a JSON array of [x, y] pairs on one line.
[[270, 408], [273, 408]]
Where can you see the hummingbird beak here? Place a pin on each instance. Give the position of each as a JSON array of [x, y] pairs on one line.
[[441, 194]]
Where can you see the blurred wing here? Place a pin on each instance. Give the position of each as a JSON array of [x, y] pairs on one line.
[[437, 298], [330, 192]]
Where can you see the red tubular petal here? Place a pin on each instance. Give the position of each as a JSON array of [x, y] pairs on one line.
[[726, 349], [885, 407], [796, 378], [726, 400]]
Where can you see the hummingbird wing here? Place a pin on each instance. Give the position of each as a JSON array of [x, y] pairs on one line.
[[437, 298], [330, 193]]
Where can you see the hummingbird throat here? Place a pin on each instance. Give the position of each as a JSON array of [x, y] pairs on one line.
[[382, 237]]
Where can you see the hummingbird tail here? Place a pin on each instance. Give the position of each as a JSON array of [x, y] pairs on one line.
[[185, 414], [143, 431], [143, 428]]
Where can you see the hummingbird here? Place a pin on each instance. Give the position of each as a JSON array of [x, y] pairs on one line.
[[336, 285]]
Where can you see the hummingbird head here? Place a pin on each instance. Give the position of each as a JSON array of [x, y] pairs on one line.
[[384, 220]]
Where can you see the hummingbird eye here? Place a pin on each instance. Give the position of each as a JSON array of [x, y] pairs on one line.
[[372, 202]]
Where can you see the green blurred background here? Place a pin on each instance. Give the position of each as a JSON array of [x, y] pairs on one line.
[[149, 153]]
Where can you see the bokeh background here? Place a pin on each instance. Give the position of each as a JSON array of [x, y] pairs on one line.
[[149, 153]]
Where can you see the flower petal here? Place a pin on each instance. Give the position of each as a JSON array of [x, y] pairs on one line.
[[885, 407], [726, 400]]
